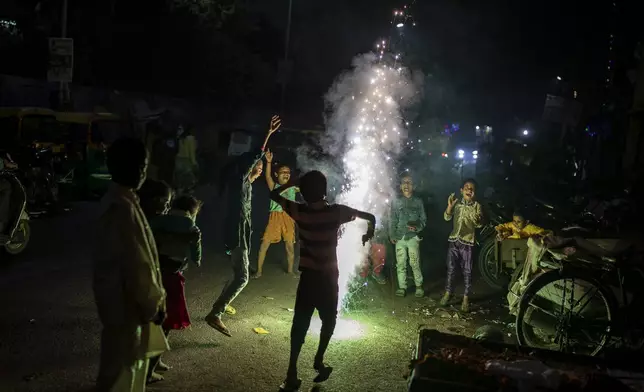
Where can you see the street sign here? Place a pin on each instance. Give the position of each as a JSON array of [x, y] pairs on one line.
[[239, 143], [61, 60], [562, 110]]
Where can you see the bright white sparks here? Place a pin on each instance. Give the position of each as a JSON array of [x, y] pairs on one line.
[[372, 125]]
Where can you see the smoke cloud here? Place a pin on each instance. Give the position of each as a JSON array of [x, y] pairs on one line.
[[358, 153]]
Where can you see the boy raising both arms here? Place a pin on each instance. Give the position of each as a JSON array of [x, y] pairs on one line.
[[280, 225], [407, 219], [318, 224], [466, 214], [241, 239]]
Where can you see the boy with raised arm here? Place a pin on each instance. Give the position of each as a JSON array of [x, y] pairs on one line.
[[318, 223], [466, 215], [241, 244], [281, 226]]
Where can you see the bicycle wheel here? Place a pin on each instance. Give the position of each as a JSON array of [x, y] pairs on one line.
[[565, 311], [487, 265]]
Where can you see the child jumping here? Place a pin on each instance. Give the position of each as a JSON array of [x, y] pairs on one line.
[[407, 219], [239, 238], [318, 224], [466, 214], [280, 227]]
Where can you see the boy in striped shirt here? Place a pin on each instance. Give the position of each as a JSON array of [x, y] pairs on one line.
[[318, 224]]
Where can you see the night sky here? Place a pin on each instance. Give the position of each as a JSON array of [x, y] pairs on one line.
[[497, 56], [490, 60]]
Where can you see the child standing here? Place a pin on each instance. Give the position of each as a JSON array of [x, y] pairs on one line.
[[318, 224], [179, 241], [466, 214], [407, 220], [181, 245], [280, 227]]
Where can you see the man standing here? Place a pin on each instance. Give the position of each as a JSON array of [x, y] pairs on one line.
[[407, 220], [127, 280], [241, 244]]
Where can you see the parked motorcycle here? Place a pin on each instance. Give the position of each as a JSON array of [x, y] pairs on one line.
[[16, 234], [39, 177]]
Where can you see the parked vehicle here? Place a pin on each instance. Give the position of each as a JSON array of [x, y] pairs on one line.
[[589, 297], [17, 233], [496, 267]]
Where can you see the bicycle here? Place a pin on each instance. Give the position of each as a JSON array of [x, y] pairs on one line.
[[559, 311]]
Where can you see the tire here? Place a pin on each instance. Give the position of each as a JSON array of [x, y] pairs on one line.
[[24, 233], [485, 263], [526, 333]]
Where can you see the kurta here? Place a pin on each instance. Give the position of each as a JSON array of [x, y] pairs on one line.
[[128, 292]]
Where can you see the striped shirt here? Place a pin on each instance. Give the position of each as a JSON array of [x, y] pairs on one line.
[[318, 230]]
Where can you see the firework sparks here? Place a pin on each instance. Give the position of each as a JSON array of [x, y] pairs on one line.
[[367, 112]]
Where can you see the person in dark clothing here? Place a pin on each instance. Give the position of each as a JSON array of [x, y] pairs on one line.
[[240, 246], [127, 282], [318, 223]]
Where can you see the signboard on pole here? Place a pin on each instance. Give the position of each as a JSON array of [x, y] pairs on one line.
[[61, 60], [562, 110], [240, 143]]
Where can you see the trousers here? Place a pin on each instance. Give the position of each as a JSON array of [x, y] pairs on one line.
[[231, 290], [408, 250], [459, 253]]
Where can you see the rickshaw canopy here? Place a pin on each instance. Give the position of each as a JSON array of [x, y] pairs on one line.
[[85, 117], [25, 111]]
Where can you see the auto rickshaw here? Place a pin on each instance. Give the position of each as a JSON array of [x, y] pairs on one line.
[[90, 134], [20, 126]]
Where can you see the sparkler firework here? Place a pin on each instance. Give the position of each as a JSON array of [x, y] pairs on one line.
[[365, 127], [367, 121]]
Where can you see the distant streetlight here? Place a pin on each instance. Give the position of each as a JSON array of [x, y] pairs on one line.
[[477, 127], [558, 77], [525, 132]]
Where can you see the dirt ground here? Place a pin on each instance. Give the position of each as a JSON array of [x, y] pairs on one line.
[[50, 329]]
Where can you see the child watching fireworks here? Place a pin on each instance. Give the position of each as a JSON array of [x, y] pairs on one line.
[[179, 241], [519, 228], [280, 226], [318, 224], [467, 216], [407, 219]]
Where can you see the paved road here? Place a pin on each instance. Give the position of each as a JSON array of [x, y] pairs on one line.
[[50, 330]]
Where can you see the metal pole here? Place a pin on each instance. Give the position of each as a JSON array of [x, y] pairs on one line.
[[63, 33], [287, 40]]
